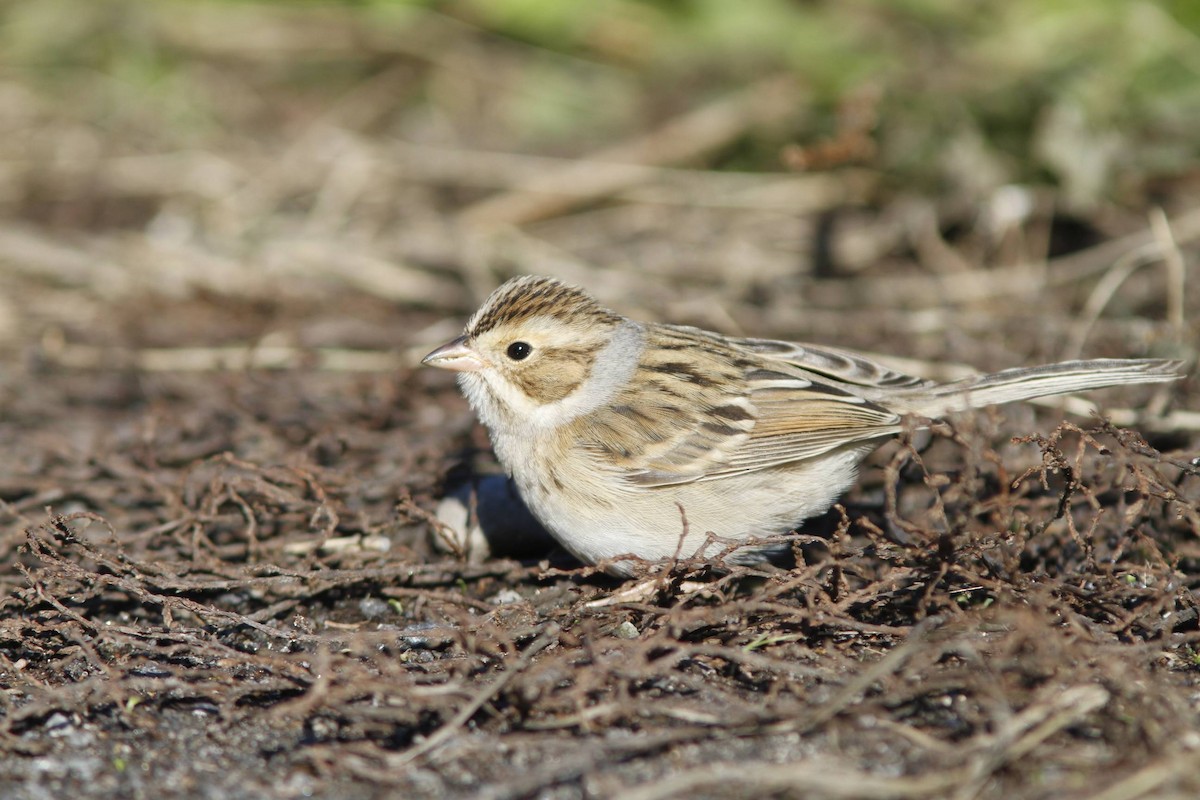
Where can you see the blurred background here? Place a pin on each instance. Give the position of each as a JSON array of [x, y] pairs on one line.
[[202, 185], [229, 230]]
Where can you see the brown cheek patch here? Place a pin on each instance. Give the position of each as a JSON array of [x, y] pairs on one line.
[[556, 373]]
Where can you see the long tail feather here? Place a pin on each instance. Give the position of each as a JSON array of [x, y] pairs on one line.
[[1026, 383]]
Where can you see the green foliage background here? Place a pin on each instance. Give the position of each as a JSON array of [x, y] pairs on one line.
[[1094, 96]]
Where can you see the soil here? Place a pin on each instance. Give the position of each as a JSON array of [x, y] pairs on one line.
[[219, 584]]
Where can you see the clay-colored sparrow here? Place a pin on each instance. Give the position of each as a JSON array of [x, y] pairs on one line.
[[616, 431]]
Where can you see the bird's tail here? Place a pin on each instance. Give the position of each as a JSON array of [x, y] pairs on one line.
[[1026, 383]]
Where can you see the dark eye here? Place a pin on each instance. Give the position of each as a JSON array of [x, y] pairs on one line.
[[519, 351]]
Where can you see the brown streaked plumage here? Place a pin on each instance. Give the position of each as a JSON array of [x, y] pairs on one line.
[[532, 296], [609, 426]]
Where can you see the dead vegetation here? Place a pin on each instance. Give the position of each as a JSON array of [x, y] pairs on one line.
[[224, 246]]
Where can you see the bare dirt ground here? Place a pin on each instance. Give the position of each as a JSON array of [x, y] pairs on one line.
[[220, 459]]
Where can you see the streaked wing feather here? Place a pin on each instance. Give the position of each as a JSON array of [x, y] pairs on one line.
[[735, 407], [841, 365], [806, 423], [688, 412]]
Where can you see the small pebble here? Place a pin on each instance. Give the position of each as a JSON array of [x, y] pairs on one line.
[[504, 597], [503, 527], [373, 607]]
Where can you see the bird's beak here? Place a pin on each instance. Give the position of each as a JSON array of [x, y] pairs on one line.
[[454, 355]]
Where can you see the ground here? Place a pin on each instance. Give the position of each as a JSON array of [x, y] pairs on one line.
[[222, 459]]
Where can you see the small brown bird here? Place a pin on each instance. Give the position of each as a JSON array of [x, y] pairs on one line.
[[610, 427]]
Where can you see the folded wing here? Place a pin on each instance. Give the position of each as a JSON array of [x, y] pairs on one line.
[[702, 407]]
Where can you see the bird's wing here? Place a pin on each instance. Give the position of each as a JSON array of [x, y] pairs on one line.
[[843, 366], [795, 421], [701, 407]]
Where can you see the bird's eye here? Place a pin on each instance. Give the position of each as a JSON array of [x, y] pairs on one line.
[[519, 351]]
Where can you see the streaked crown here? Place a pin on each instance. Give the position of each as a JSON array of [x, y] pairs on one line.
[[530, 296]]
